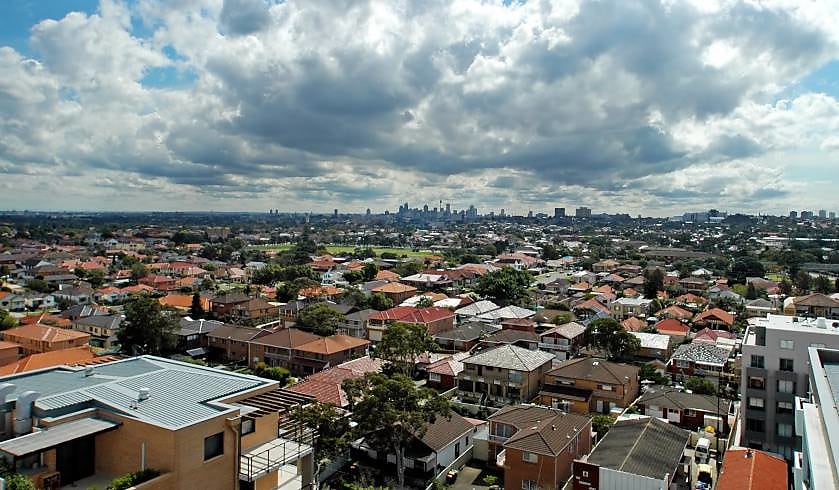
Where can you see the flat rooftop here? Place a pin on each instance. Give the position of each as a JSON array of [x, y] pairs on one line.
[[180, 394], [791, 324]]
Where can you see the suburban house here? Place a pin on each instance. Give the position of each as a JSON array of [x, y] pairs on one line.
[[675, 312], [231, 343], [434, 318], [463, 337], [193, 335], [325, 386], [710, 361], [396, 291], [255, 309], [472, 311], [714, 318], [626, 307], [276, 349], [589, 384], [689, 411], [812, 305], [524, 339], [223, 305], [325, 352], [506, 374], [442, 374], [77, 295], [101, 328], [606, 265], [714, 336], [355, 324], [199, 427], [508, 421], [750, 469], [506, 313], [442, 443], [635, 453], [541, 455], [563, 341], [37, 338], [674, 328], [654, 347]]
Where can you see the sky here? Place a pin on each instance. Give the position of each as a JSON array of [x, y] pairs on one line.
[[637, 106]]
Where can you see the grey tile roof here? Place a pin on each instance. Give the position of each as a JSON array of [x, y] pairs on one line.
[[180, 394], [670, 397], [511, 357], [549, 436], [467, 331], [645, 446], [702, 352]]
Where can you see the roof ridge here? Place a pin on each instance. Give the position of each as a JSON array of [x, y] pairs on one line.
[[634, 444]]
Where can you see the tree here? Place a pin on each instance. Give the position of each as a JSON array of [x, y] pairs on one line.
[[649, 373], [653, 283], [745, 266], [332, 429], [425, 302], [380, 302], [402, 343], [601, 424], [39, 285], [353, 277], [369, 271], [146, 329], [390, 412], [278, 373], [751, 291], [563, 318], [196, 311], [506, 286], [320, 318], [138, 270], [550, 252], [700, 385], [7, 321], [609, 335], [802, 281], [836, 285], [822, 284], [785, 287]]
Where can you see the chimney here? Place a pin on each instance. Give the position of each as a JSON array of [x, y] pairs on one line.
[[143, 394], [749, 452], [23, 412]]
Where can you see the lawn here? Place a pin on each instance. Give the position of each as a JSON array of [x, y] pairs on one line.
[[341, 249]]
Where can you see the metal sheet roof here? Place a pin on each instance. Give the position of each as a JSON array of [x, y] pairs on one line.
[[59, 434]]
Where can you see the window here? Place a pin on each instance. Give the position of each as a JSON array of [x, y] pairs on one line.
[[529, 485], [755, 425], [784, 407], [529, 457], [514, 376], [434, 377], [786, 451], [213, 446], [690, 413], [248, 425], [757, 361], [585, 474], [784, 430], [757, 383], [756, 403], [787, 344], [503, 430], [682, 364], [606, 387], [786, 386], [786, 365]]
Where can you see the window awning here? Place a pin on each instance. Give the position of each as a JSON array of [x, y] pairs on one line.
[[55, 436]]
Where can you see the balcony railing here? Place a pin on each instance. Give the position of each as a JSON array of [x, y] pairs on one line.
[[270, 456], [498, 439]]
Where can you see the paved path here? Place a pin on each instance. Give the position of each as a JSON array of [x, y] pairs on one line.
[[465, 478]]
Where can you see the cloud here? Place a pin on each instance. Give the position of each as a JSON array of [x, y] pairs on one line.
[[625, 104]]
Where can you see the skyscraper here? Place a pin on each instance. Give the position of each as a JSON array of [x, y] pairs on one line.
[[583, 212], [793, 214], [559, 213], [822, 214]]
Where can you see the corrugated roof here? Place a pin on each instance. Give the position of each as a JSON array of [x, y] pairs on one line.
[[646, 447], [54, 436]]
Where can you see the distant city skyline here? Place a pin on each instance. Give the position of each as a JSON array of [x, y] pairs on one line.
[[648, 108]]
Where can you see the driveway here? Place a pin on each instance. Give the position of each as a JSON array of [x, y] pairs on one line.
[[466, 479]]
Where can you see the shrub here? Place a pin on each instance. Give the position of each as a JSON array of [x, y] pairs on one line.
[[131, 479]]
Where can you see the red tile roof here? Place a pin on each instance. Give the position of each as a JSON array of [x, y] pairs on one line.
[[715, 313], [672, 326], [76, 356], [332, 344], [408, 314], [43, 333], [745, 469]]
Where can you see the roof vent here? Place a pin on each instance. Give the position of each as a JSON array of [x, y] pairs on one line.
[[595, 363], [88, 372], [143, 394], [553, 427]]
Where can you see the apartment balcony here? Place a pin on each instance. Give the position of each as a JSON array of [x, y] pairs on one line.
[[266, 458], [501, 458], [498, 439], [546, 346]]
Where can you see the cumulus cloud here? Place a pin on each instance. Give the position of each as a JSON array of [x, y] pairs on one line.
[[626, 105]]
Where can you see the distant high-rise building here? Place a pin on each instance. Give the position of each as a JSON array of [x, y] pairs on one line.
[[335, 212], [530, 214], [425, 209], [559, 213], [806, 215], [503, 212], [793, 214], [448, 208], [831, 215], [583, 212], [368, 212], [822, 214]]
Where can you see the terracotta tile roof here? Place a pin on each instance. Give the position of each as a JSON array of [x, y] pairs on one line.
[[44, 333], [386, 276], [674, 311], [633, 324], [76, 356], [287, 337], [593, 369], [713, 313], [549, 436], [8, 345], [332, 344], [745, 469], [178, 301], [317, 291], [325, 386], [409, 314], [630, 293], [691, 298], [394, 287], [672, 326]]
